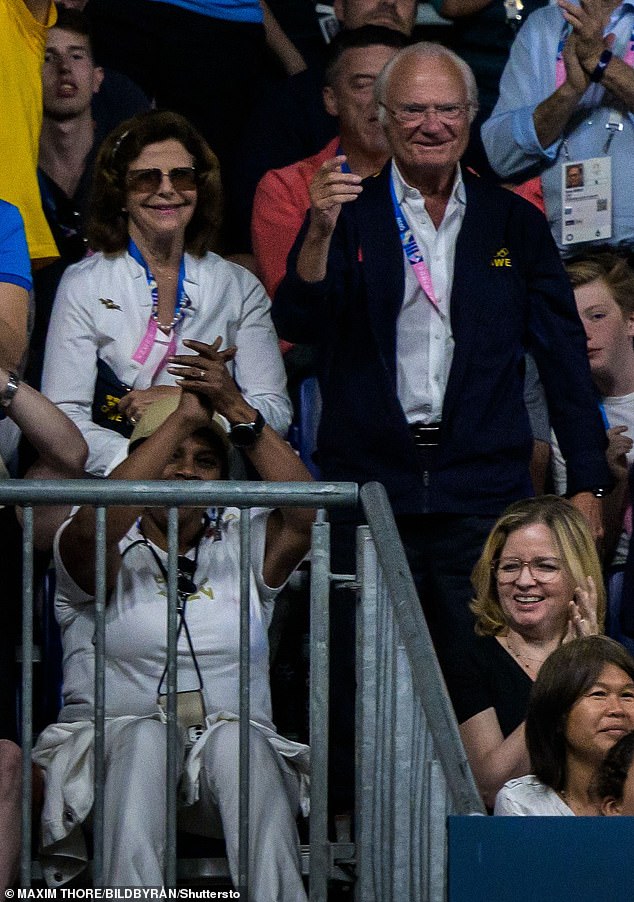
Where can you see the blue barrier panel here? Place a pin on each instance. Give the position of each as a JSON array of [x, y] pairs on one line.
[[541, 859]]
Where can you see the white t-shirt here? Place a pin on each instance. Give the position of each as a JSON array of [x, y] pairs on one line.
[[526, 796], [136, 628]]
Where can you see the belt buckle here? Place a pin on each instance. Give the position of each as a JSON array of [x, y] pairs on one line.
[[426, 435]]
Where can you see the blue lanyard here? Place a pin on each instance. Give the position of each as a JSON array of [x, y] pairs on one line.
[[182, 301]]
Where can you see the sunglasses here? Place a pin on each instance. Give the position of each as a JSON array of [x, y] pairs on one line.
[[147, 181]]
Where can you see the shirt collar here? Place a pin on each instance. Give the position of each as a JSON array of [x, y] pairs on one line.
[[405, 191]]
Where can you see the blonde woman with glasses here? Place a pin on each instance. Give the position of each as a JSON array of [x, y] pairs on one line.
[[537, 585]]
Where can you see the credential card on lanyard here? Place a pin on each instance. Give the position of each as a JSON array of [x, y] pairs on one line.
[[586, 200]]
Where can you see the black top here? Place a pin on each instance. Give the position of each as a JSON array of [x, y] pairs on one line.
[[484, 675]]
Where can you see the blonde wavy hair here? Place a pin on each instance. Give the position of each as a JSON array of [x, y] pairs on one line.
[[574, 542]]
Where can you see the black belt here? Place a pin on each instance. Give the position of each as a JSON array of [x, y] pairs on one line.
[[425, 435]]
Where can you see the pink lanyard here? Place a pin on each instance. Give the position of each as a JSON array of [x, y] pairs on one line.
[[413, 252], [182, 304]]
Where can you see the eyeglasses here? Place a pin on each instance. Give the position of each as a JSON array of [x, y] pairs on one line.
[[147, 181], [542, 569], [414, 114]]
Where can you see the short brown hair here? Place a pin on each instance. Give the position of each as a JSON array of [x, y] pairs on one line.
[[609, 268], [573, 538], [107, 228], [563, 678]]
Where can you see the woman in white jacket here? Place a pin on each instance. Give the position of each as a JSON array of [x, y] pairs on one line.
[[154, 281]]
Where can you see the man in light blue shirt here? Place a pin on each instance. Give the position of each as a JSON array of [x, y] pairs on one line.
[[567, 95]]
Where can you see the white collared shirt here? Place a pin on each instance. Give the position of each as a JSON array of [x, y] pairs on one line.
[[424, 342]]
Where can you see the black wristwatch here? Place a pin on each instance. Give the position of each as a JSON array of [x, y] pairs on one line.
[[245, 435]]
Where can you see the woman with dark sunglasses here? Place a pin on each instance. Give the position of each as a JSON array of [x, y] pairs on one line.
[[154, 281], [537, 585]]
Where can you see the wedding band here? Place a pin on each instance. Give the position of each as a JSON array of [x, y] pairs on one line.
[[201, 374], [133, 420]]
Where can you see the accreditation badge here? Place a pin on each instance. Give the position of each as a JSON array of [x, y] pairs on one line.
[[586, 200]]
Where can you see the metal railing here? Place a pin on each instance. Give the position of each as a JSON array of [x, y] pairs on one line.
[[412, 768]]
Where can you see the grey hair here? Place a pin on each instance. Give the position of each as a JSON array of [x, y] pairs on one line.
[[426, 50]]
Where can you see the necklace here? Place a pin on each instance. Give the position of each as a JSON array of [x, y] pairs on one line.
[[525, 660], [179, 312], [182, 301]]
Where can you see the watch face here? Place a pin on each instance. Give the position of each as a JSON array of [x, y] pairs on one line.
[[243, 435]]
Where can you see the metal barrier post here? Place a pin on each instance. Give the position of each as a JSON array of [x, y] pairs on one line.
[[27, 694], [245, 699], [171, 738], [100, 695], [319, 685]]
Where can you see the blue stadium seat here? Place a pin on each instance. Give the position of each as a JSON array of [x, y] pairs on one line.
[[303, 432]]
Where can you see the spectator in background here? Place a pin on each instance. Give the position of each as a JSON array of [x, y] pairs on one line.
[[119, 97], [356, 56], [604, 292], [615, 780], [119, 315], [290, 121], [538, 583], [23, 27], [581, 704], [73, 127], [282, 199], [566, 97], [70, 136], [69, 142], [482, 34]]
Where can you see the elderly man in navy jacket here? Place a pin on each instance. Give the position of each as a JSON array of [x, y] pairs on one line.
[[423, 288]]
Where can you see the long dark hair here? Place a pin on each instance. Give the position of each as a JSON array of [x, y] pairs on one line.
[[563, 678]]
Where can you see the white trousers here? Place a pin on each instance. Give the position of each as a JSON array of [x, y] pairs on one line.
[[135, 799]]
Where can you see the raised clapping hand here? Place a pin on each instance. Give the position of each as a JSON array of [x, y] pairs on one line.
[[576, 75], [588, 21], [582, 613], [206, 374], [329, 189]]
